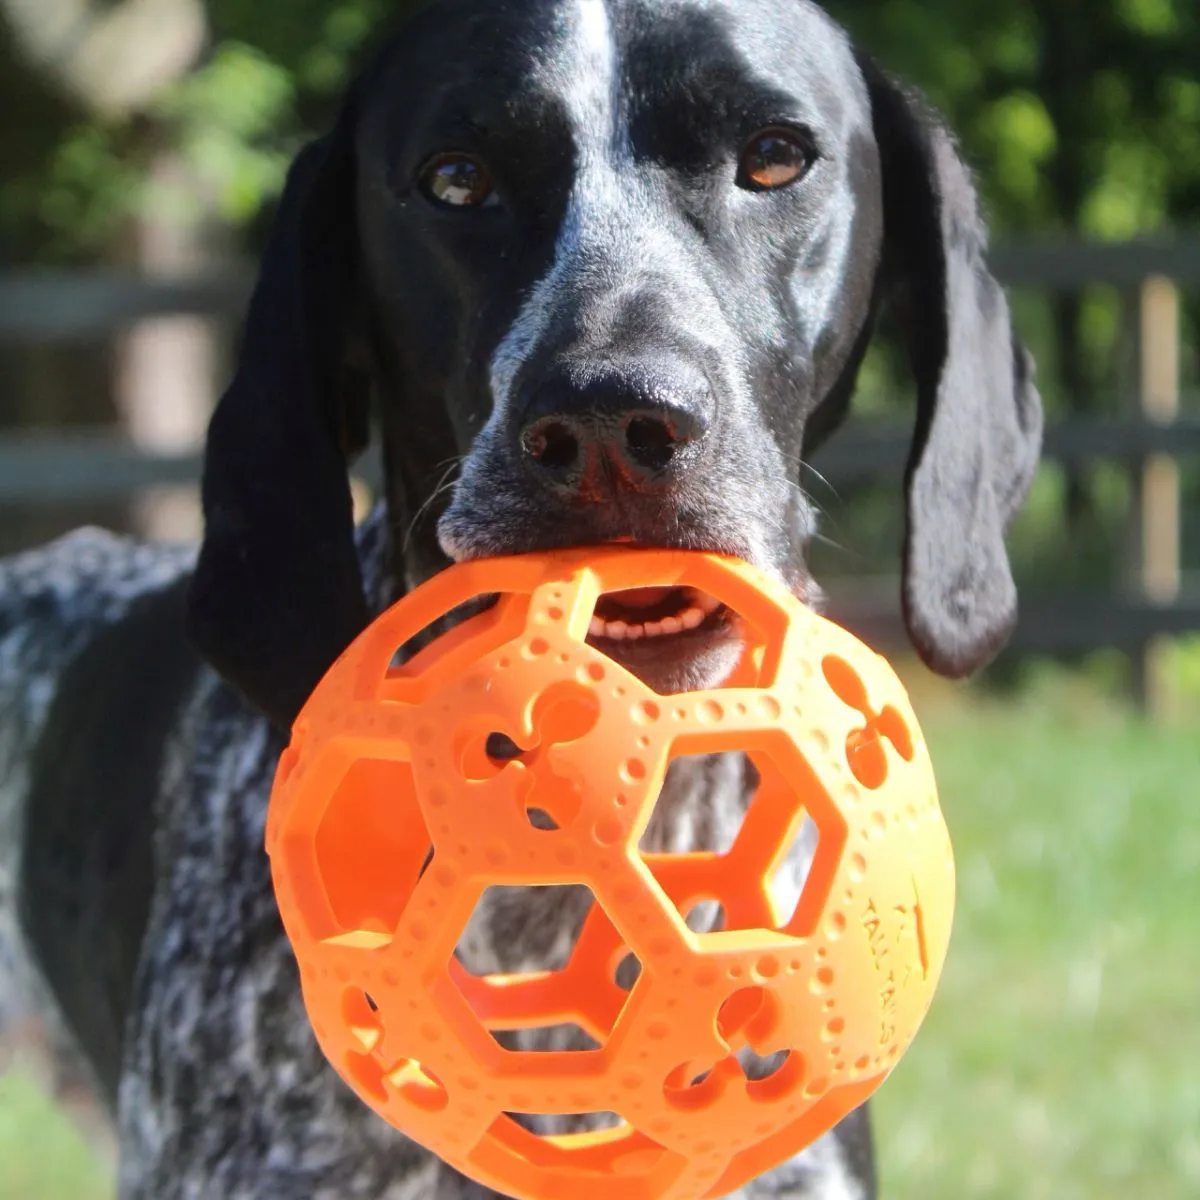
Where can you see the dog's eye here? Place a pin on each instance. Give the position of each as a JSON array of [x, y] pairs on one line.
[[458, 181], [773, 158]]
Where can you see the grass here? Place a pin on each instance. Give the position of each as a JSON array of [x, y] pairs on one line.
[[1061, 1059], [42, 1156]]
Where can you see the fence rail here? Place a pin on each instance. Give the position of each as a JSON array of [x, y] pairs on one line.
[[47, 305], [1153, 432], [869, 452], [1050, 625], [54, 468], [52, 305]]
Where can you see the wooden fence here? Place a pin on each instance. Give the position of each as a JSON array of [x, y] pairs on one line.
[[1149, 438]]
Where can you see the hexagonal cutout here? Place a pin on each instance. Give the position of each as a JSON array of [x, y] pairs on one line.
[[546, 1039], [628, 970], [623, 1153], [706, 848], [458, 615], [631, 626], [559, 1124], [537, 966], [371, 848], [693, 813], [447, 645]]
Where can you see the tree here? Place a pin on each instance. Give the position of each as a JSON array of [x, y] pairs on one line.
[[1082, 118]]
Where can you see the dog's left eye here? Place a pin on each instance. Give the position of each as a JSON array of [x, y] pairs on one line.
[[773, 158], [458, 181]]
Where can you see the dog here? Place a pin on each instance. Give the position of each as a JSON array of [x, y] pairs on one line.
[[589, 271]]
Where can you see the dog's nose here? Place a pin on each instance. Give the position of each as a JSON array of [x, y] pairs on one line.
[[634, 430]]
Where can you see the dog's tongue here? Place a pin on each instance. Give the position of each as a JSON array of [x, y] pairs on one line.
[[643, 597]]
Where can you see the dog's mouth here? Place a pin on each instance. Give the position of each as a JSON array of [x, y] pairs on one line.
[[674, 639], [655, 613]]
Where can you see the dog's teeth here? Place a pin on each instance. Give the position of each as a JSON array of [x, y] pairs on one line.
[[691, 617]]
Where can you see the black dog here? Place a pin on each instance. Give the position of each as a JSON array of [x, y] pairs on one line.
[[617, 261]]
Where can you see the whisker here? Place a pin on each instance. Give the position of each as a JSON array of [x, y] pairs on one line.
[[803, 464], [822, 479], [445, 484], [821, 510], [840, 547]]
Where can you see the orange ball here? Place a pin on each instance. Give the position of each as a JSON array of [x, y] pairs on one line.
[[389, 819]]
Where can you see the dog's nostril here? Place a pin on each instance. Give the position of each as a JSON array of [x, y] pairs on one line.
[[651, 442], [552, 444]]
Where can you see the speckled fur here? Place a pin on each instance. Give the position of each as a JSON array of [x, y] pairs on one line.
[[52, 602], [224, 1091]]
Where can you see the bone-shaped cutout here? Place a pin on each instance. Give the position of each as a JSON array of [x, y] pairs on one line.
[[416, 1083], [865, 754], [747, 1020], [564, 712]]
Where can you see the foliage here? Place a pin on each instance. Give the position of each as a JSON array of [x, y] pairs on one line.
[[1083, 115], [271, 75], [1080, 114]]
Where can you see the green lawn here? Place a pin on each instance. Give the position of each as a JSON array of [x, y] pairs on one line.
[[42, 1157], [1062, 1057]]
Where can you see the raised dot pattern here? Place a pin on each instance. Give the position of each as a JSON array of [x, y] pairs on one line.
[[508, 750]]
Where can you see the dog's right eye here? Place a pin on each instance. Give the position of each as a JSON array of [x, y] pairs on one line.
[[458, 181], [773, 159]]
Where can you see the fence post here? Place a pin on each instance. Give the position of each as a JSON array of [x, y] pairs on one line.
[[1157, 490]]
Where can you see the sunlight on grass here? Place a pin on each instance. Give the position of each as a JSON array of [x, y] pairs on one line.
[[1059, 1061], [42, 1156]]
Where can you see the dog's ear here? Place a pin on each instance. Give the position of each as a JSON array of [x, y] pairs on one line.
[[277, 593], [978, 430]]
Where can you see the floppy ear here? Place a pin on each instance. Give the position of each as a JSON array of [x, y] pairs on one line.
[[978, 430], [277, 592]]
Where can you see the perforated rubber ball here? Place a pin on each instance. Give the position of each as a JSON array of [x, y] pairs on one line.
[[393, 813]]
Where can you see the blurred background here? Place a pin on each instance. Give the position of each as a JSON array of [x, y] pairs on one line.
[[142, 145]]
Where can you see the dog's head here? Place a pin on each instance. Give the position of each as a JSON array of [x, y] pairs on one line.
[[615, 264]]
